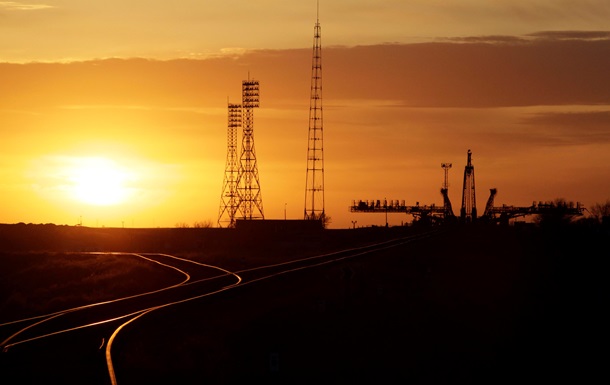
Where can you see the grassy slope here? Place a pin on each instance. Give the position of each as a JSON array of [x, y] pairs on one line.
[[42, 270], [33, 283]]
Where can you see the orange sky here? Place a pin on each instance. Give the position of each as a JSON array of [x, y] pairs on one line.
[[534, 107]]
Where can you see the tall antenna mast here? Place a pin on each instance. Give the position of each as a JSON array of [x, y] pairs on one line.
[[229, 198], [314, 186], [248, 185]]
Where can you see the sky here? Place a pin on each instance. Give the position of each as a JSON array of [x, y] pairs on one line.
[[114, 113]]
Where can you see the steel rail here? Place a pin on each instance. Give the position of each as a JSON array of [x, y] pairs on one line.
[[395, 241], [47, 317], [140, 255], [51, 316], [109, 301], [326, 259], [110, 365], [139, 312]]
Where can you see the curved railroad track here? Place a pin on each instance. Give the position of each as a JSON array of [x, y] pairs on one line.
[[109, 318]]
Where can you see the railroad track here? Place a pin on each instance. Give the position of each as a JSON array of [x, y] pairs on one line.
[[109, 318]]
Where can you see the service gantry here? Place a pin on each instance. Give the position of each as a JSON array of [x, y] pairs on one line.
[[505, 213], [489, 206], [433, 214], [229, 198], [248, 184], [468, 213], [445, 192], [314, 183]]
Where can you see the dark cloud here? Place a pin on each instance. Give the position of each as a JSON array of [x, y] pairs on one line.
[[597, 119], [541, 35], [565, 128], [572, 35], [489, 39], [481, 72], [475, 73]]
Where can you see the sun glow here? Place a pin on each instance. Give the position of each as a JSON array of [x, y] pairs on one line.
[[99, 181]]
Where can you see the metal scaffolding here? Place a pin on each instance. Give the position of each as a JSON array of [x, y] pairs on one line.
[[229, 198], [314, 185], [445, 192], [468, 213], [248, 184]]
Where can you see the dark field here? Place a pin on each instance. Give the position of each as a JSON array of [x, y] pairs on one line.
[[35, 283], [475, 305]]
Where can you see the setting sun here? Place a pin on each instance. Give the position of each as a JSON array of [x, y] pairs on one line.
[[99, 181]]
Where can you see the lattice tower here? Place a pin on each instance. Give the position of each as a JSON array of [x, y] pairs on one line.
[[468, 213], [445, 191], [229, 198], [314, 185], [248, 184], [446, 167]]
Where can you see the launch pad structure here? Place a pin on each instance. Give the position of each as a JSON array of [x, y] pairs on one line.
[[435, 214]]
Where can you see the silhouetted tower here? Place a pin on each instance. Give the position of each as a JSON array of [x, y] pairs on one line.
[[314, 185], [468, 212], [489, 206], [445, 192], [229, 198], [446, 167], [248, 185]]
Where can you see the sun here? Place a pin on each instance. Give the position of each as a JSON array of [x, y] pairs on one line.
[[99, 181]]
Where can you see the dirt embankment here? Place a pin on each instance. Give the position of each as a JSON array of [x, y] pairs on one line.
[[35, 283]]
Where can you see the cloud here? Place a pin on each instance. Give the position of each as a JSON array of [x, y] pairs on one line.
[[495, 39], [531, 37], [104, 107], [572, 35], [476, 73], [592, 119], [15, 6], [570, 128], [233, 51]]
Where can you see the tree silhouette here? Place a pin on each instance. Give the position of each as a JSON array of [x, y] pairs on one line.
[[326, 220], [601, 211]]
